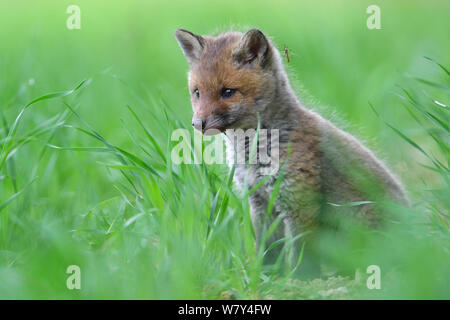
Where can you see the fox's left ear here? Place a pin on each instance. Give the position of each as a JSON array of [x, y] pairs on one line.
[[191, 44], [253, 49]]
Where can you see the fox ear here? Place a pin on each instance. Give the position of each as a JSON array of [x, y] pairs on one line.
[[191, 44], [253, 48]]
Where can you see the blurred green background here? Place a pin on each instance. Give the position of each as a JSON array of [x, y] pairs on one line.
[[140, 227]]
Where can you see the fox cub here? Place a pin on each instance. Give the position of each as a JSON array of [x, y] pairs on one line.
[[237, 81]]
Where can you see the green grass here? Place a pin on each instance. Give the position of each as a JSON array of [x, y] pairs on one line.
[[85, 171]]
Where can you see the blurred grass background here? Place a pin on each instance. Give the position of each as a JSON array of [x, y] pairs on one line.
[[141, 227]]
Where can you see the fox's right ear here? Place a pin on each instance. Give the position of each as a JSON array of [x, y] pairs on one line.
[[191, 44]]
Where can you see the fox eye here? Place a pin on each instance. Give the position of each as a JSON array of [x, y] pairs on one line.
[[227, 92], [197, 93]]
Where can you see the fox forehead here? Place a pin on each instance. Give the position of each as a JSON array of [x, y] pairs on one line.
[[216, 68]]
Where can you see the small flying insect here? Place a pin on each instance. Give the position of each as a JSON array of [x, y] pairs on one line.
[[287, 52]]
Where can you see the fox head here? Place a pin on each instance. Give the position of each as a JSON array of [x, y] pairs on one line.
[[232, 78]]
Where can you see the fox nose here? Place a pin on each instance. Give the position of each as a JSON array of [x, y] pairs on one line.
[[198, 124]]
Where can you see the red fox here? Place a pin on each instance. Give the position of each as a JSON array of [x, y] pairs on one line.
[[237, 81]]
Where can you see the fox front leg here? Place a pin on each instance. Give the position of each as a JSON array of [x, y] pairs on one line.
[[261, 223]]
